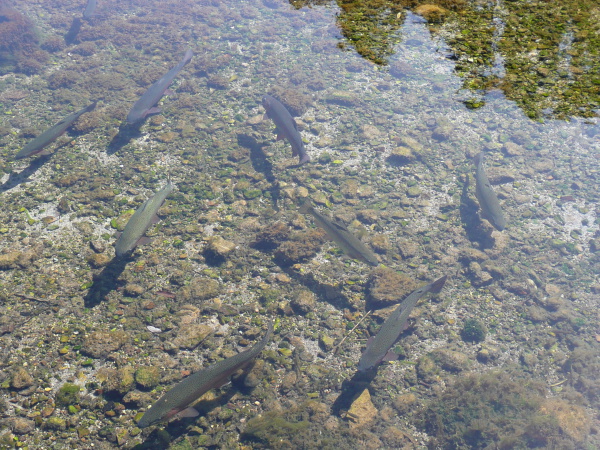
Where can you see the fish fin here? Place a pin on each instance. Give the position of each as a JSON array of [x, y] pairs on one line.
[[295, 152], [295, 124], [153, 110], [44, 152], [478, 158], [155, 219], [339, 225], [143, 241], [280, 137], [438, 284], [390, 356], [188, 412], [370, 340]]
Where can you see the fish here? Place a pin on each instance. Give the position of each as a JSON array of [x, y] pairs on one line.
[[90, 9], [176, 401], [146, 103], [51, 134], [488, 202], [378, 347], [141, 220], [338, 232], [286, 127]]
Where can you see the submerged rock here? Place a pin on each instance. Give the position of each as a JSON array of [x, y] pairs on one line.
[[362, 411], [100, 344], [387, 287], [303, 302], [21, 379], [191, 335]]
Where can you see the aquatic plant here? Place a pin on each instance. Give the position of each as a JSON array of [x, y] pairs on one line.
[[473, 331], [67, 395], [496, 410], [19, 42]]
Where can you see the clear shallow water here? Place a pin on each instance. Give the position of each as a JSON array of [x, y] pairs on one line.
[[391, 151]]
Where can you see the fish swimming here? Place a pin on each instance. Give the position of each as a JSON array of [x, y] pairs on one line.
[[286, 127], [186, 392], [336, 231], [490, 207], [90, 9], [146, 103], [51, 134], [379, 346], [141, 220]]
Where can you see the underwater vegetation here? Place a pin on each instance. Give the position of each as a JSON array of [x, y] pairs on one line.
[[497, 410], [544, 56], [550, 54], [19, 42]]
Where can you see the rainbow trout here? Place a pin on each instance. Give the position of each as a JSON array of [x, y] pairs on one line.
[[51, 134], [286, 127], [146, 103], [336, 231], [186, 392], [141, 220], [490, 206], [378, 347]]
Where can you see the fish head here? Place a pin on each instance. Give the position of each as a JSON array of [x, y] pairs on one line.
[[267, 102]]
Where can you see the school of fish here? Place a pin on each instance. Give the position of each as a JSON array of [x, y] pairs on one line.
[[177, 401]]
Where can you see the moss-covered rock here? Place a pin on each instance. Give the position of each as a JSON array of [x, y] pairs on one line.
[[100, 344], [147, 377], [68, 394], [386, 287], [21, 379]]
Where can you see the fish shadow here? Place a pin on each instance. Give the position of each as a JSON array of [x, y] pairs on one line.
[[14, 179], [74, 29], [126, 133], [105, 282], [161, 436], [260, 162], [471, 221], [331, 294], [351, 389]]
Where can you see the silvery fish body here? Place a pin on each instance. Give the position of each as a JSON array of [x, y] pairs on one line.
[[90, 9], [336, 231], [488, 201], [51, 134], [145, 104], [193, 387], [393, 326], [286, 127], [141, 220]]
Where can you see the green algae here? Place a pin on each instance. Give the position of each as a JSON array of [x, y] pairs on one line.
[[67, 395], [550, 51]]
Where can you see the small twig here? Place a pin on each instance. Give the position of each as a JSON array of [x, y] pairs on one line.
[[558, 383], [337, 347]]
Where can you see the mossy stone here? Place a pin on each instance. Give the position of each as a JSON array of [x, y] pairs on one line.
[[473, 331], [147, 377], [67, 395]]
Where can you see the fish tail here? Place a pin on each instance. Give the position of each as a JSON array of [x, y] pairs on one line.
[[304, 158], [305, 207], [92, 106], [188, 56], [438, 284]]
